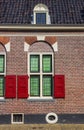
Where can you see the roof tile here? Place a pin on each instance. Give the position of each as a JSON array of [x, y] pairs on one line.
[[61, 11]]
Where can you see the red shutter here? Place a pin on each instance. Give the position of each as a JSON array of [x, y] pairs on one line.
[[10, 86], [59, 86], [22, 82]]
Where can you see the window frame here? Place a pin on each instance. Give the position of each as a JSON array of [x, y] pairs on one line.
[[40, 74], [2, 74], [41, 12], [12, 120]]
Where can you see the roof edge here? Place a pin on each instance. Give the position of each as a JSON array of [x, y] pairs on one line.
[[42, 28]]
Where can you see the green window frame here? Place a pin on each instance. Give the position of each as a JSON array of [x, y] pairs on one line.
[[2, 63], [35, 85], [41, 75], [1, 86], [47, 85], [34, 63], [47, 63], [2, 74]]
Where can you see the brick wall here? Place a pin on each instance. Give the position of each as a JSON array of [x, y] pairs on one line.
[[68, 61], [16, 58]]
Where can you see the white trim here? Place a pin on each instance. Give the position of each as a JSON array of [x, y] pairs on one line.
[[40, 73], [51, 121], [26, 46], [40, 37], [38, 34], [7, 46], [40, 98], [40, 7], [2, 98], [53, 28], [17, 122], [55, 46]]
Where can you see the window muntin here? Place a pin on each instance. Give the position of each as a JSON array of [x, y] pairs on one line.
[[40, 18], [2, 61], [41, 83]]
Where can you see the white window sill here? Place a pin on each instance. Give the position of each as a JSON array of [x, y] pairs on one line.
[[2, 99], [17, 122], [40, 98]]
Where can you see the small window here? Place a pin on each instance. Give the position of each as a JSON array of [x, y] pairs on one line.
[[51, 118], [41, 14], [17, 118], [40, 18]]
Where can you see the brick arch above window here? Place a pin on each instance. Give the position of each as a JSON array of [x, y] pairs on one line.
[[5, 42], [50, 40], [2, 48], [40, 46], [4, 39], [30, 39]]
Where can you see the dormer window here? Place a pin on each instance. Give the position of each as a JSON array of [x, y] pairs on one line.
[[41, 14], [40, 18]]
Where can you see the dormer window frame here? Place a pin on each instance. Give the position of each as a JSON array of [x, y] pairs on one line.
[[41, 8]]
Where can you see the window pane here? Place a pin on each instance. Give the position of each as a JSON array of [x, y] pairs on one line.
[[47, 85], [47, 63], [35, 85], [1, 63], [1, 86], [34, 63], [40, 18]]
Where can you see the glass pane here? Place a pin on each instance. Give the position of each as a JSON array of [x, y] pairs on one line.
[[1, 86], [35, 85], [47, 85], [2, 63], [34, 63], [47, 63], [40, 18]]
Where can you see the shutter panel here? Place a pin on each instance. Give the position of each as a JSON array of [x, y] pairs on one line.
[[10, 86], [59, 86], [22, 82]]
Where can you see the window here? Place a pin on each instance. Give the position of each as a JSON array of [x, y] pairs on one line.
[[17, 118], [1, 63], [51, 118], [1, 86], [40, 73], [2, 74], [41, 14], [40, 18]]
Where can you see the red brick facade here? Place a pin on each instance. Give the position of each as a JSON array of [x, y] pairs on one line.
[[68, 61]]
